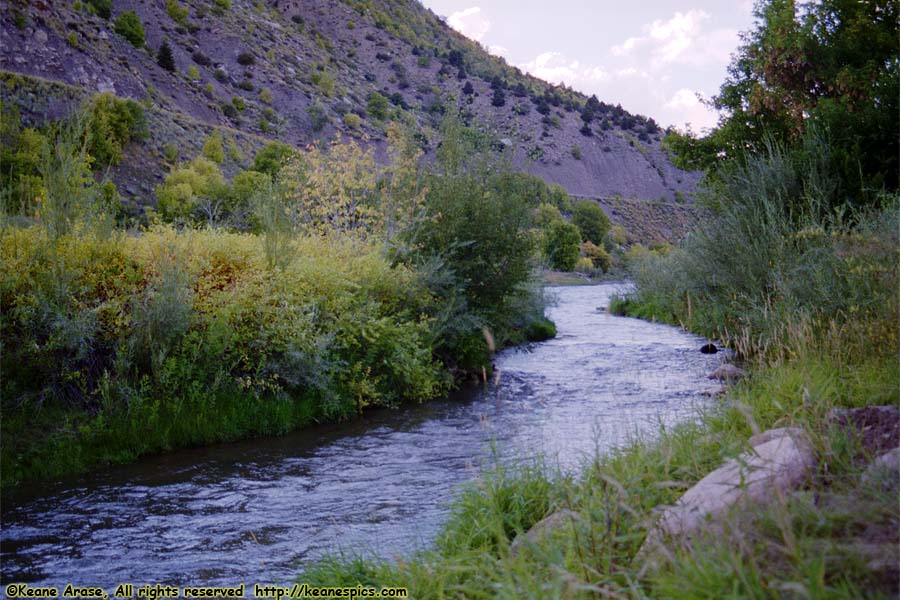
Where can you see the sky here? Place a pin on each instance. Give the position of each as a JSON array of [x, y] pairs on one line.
[[654, 57]]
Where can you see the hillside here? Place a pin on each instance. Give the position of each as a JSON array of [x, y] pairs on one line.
[[292, 71]]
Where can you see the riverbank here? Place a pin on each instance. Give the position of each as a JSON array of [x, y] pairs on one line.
[[803, 542], [813, 313], [119, 345]]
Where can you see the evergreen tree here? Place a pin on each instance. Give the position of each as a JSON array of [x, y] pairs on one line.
[[468, 90], [499, 98], [165, 58]]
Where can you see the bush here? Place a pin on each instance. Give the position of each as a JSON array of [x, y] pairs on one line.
[[562, 245], [129, 26], [599, 257], [213, 148], [265, 96], [178, 13], [181, 194], [239, 104], [352, 120], [271, 158], [377, 106], [102, 8], [246, 59], [590, 220], [165, 58], [317, 117], [112, 124]]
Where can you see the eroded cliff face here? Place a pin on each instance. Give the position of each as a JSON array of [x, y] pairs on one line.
[[292, 70]]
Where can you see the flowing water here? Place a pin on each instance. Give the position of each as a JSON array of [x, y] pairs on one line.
[[257, 511]]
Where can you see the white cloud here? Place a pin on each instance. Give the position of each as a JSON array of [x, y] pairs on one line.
[[498, 50], [470, 22], [680, 39], [686, 108], [556, 67]]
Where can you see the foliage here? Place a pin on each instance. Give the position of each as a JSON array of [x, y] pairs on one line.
[[272, 157], [165, 58], [317, 117], [597, 255], [129, 26], [188, 187], [213, 148], [831, 67], [103, 8], [590, 219], [377, 106], [333, 191], [178, 13], [562, 244], [351, 120], [113, 123], [265, 96]]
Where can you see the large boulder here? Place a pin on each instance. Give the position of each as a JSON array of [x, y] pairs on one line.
[[780, 460], [727, 372], [559, 520]]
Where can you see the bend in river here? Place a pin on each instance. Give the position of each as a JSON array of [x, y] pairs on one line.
[[257, 511]]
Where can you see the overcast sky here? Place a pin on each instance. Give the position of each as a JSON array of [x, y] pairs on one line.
[[652, 56]]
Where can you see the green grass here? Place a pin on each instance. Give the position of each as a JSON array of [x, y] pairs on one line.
[[768, 552]]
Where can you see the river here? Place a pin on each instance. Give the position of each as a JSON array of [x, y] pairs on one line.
[[257, 511]]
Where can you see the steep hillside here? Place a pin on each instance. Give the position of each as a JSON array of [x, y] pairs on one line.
[[294, 70]]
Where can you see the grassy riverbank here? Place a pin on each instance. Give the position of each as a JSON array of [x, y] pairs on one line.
[[835, 538], [313, 286]]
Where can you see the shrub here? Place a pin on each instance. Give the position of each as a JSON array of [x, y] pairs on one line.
[[72, 39], [499, 98], [246, 85], [377, 106], [590, 220], [102, 8], [271, 158], [129, 26], [238, 103], [317, 117], [576, 152], [324, 82], [352, 120], [193, 73], [468, 90], [223, 4], [599, 257], [178, 13], [246, 59], [562, 245], [180, 195], [165, 58], [265, 95], [213, 148], [200, 58], [113, 123]]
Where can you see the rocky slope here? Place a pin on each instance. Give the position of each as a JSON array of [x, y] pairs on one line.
[[293, 69]]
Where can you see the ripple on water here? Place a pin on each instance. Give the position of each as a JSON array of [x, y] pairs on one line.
[[259, 510]]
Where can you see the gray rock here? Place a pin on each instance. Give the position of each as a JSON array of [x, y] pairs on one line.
[[781, 460], [40, 38], [884, 469], [727, 372], [103, 35], [545, 527]]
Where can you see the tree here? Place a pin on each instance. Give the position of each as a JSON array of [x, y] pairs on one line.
[[591, 220], [272, 157], [562, 243], [129, 26], [165, 58], [499, 98], [468, 90], [830, 66]]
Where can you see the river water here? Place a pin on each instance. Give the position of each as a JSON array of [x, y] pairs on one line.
[[257, 511]]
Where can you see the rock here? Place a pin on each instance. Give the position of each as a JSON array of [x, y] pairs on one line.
[[881, 558], [545, 527], [709, 349], [40, 38], [106, 85], [103, 35], [781, 460], [885, 469], [727, 372]]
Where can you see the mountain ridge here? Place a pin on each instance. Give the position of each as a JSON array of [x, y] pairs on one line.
[[294, 70]]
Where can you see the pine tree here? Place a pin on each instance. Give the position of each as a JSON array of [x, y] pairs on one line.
[[468, 90], [499, 98], [165, 58]]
